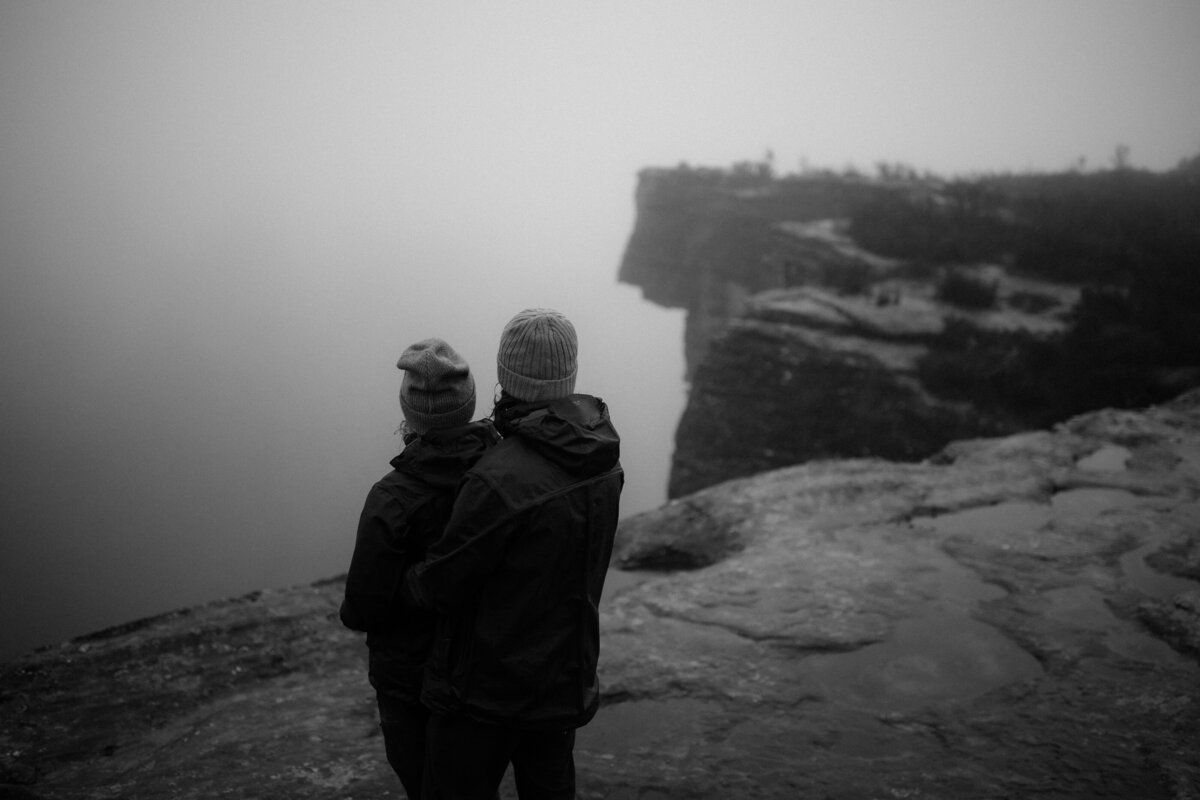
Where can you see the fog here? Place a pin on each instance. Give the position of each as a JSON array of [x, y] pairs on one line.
[[221, 222]]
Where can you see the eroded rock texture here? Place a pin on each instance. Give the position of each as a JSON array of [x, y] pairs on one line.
[[799, 344], [986, 625], [1018, 617]]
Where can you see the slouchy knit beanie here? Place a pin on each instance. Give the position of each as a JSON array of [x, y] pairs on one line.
[[537, 356], [437, 390]]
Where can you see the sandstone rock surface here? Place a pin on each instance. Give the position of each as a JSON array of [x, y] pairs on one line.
[[1018, 617], [984, 625]]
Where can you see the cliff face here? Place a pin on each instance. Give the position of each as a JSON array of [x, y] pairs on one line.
[[1017, 617], [800, 345], [701, 244]]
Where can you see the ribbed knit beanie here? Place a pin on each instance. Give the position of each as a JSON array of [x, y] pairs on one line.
[[437, 390], [537, 356]]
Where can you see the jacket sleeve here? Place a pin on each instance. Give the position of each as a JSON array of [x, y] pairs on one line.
[[377, 565], [471, 547]]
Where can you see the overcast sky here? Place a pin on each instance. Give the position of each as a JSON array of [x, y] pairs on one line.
[[220, 222]]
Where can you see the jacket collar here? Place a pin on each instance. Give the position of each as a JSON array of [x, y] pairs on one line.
[[575, 432], [449, 450]]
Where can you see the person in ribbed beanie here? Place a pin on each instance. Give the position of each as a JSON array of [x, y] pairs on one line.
[[517, 578], [437, 390], [538, 354]]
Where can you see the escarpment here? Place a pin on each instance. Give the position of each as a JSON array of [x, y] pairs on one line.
[[800, 344]]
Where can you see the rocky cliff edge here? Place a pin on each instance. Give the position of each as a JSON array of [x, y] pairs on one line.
[[1015, 617]]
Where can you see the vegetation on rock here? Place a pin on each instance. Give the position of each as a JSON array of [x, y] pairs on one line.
[[1130, 238], [1031, 298]]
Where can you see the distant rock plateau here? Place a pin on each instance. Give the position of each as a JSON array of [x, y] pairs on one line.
[[1013, 617], [1022, 301]]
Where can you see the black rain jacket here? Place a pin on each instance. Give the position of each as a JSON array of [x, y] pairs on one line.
[[519, 572], [403, 514]]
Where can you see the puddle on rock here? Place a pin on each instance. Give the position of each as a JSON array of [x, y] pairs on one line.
[[1080, 606], [1080, 505], [1017, 516], [931, 659], [1083, 607], [997, 520], [1150, 581], [1109, 458]]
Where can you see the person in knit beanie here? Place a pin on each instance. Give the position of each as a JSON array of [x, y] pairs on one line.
[[405, 512], [538, 354], [437, 390], [517, 578]]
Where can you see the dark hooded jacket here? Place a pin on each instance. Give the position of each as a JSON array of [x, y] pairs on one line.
[[519, 572], [403, 514]]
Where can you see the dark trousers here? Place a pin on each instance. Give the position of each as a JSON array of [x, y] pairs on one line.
[[466, 760], [404, 724]]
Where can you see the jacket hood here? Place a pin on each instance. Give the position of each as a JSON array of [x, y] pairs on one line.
[[440, 457], [574, 432]]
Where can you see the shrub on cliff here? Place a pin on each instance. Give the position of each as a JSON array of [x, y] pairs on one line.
[[853, 278], [962, 221], [960, 289], [1109, 357], [1095, 227], [1129, 237], [1003, 372]]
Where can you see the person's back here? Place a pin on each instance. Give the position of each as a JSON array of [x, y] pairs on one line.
[[518, 576], [539, 511], [405, 511]]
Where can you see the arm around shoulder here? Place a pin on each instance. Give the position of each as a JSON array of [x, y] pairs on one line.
[[470, 548]]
